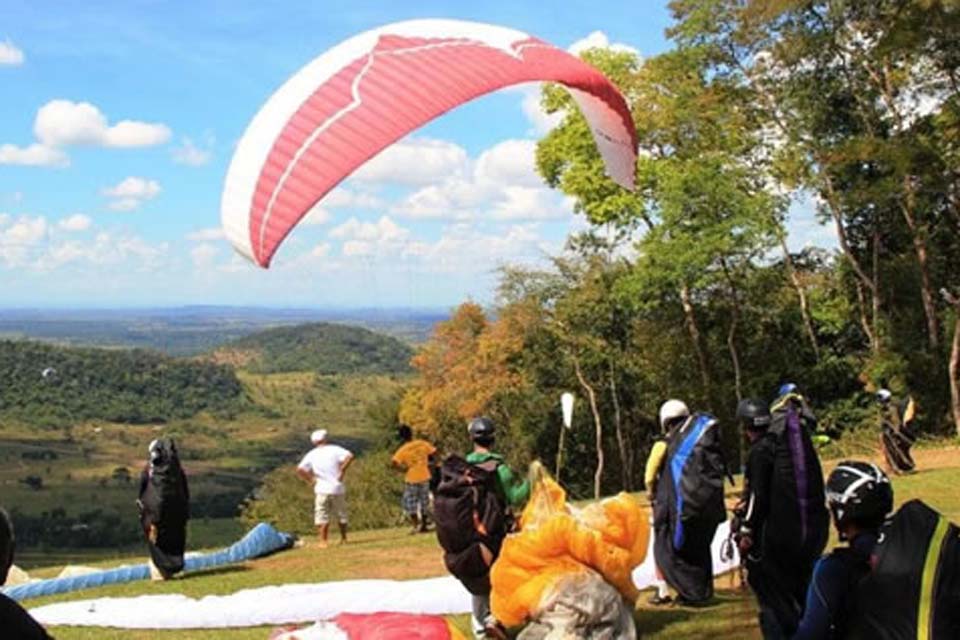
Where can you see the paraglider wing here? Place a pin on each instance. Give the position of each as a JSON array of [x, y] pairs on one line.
[[366, 93]]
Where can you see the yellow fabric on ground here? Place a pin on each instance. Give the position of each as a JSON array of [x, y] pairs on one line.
[[556, 540]]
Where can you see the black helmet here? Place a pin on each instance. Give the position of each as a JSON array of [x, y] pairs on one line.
[[754, 414], [481, 428], [859, 492]]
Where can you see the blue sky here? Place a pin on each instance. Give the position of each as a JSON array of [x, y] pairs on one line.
[[118, 121]]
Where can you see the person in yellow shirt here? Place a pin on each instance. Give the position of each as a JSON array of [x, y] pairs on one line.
[[415, 458]]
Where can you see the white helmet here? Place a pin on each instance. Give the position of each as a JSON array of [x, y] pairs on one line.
[[671, 410]]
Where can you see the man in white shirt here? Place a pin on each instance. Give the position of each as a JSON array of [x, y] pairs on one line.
[[324, 466]]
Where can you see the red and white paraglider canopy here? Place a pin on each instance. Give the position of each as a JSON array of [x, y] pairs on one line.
[[371, 90]]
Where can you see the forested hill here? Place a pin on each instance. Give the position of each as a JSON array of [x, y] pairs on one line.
[[46, 384], [321, 347]]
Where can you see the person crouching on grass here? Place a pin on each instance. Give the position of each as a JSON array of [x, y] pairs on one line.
[[325, 466]]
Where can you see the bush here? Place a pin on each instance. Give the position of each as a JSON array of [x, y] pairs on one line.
[[286, 502]]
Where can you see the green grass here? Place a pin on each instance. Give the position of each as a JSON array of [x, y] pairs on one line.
[[392, 553]]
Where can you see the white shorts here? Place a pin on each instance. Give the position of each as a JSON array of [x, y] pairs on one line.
[[328, 506]]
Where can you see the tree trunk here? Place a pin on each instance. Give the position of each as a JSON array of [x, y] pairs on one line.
[[597, 423], [801, 294], [732, 331], [695, 338], [876, 286], [833, 205], [954, 368], [908, 206], [955, 374], [626, 468]]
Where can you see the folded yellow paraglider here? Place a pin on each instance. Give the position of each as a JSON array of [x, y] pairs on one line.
[[557, 541]]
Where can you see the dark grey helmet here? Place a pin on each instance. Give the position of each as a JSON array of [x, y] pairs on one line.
[[481, 427], [753, 414]]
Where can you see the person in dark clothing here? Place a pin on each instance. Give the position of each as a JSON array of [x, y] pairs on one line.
[[15, 622], [777, 559], [860, 497], [684, 529], [164, 504]]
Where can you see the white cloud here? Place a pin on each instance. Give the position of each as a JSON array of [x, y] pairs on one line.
[[36, 155], [76, 222], [10, 54], [317, 215], [342, 198], [130, 193], [210, 233], [509, 162], [383, 237], [541, 122], [204, 255], [502, 182], [599, 40], [414, 162], [20, 239], [322, 250], [106, 249], [63, 122], [530, 203], [189, 153]]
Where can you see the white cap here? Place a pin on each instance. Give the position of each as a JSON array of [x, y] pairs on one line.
[[318, 436]]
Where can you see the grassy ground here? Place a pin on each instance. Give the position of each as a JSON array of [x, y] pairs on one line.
[[394, 554]]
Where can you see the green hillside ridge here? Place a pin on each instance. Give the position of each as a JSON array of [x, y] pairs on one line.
[[48, 385], [320, 347]]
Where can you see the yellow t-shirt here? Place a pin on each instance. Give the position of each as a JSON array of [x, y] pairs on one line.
[[413, 455]]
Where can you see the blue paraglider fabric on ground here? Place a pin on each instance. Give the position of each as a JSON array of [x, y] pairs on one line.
[[261, 540]]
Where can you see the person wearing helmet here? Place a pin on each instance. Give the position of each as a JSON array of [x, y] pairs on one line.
[[860, 497], [673, 413], [896, 436], [513, 490], [772, 514]]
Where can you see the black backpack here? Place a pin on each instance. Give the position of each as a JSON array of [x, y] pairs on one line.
[[469, 511], [913, 590], [798, 519], [691, 488]]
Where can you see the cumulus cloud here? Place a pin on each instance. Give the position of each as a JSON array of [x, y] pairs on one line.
[[35, 155], [414, 162], [317, 216], [210, 233], [106, 249], [63, 122], [191, 154], [541, 122], [76, 222], [599, 40], [130, 193], [204, 255], [10, 54], [383, 237], [21, 238], [502, 181]]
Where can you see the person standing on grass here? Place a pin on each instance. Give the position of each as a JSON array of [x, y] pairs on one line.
[[325, 466], [15, 622], [415, 457]]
